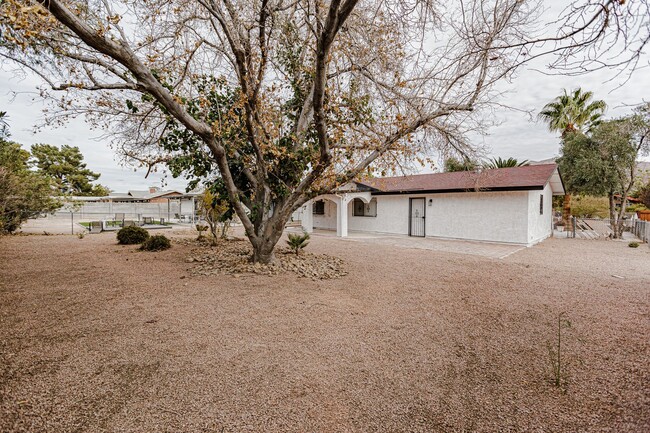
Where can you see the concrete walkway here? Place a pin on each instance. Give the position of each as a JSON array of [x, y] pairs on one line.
[[484, 249]]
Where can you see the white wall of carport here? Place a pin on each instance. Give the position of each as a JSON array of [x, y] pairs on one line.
[[484, 216], [540, 226]]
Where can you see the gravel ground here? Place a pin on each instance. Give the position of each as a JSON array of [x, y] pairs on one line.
[[96, 337]]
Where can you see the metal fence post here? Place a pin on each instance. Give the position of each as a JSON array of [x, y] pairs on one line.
[[71, 222], [573, 221]]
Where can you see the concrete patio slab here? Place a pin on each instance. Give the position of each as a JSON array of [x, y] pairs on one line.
[[483, 249]]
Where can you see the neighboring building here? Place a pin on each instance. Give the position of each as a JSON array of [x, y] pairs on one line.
[[153, 195], [154, 202], [512, 205]]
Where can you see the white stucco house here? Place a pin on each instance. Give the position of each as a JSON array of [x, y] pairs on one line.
[[510, 205]]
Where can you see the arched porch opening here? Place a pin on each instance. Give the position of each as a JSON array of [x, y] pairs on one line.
[[330, 212]]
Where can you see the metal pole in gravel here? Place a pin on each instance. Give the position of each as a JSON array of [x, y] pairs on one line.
[[71, 222], [574, 227]]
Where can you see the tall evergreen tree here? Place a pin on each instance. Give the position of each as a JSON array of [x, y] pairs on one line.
[[67, 170], [24, 193]]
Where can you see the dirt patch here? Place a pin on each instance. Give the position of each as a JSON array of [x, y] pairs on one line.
[[231, 257], [96, 337]]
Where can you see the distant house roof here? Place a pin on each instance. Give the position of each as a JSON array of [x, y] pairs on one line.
[[143, 195], [502, 179]]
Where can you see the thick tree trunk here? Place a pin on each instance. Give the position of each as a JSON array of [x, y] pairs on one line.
[[270, 232], [262, 253], [618, 233], [612, 213], [264, 243], [566, 210]]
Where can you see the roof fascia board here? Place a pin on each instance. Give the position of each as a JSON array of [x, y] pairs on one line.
[[454, 190]]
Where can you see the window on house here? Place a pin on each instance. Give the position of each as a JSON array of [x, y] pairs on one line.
[[319, 208], [541, 204], [359, 208]]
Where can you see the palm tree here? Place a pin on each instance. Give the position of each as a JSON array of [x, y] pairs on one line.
[[572, 112], [504, 163]]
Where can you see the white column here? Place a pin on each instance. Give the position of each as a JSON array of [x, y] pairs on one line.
[[342, 217], [307, 220]]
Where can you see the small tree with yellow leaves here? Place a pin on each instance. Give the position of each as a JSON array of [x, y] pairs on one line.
[[215, 211]]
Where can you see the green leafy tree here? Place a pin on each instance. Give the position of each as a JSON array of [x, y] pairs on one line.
[[622, 141], [504, 163], [644, 195], [454, 164], [572, 112], [605, 162], [67, 170], [24, 193], [215, 209]]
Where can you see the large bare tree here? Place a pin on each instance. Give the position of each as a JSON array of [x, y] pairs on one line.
[[287, 99]]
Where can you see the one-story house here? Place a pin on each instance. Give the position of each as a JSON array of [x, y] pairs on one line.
[[152, 195], [511, 205]]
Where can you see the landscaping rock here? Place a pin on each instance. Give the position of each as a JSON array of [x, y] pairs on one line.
[[232, 258]]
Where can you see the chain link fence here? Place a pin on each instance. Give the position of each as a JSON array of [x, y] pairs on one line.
[[112, 216]]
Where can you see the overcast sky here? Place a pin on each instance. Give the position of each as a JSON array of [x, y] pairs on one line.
[[517, 135]]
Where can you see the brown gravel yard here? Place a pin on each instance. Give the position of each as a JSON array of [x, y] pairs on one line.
[[97, 337]]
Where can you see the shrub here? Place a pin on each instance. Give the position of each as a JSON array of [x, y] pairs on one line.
[[636, 207], [633, 245], [132, 235], [644, 195], [201, 228], [156, 243], [589, 207], [298, 241]]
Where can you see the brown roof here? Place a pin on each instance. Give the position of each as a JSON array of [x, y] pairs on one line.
[[501, 179]]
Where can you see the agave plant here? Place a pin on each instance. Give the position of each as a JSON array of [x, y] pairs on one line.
[[298, 241]]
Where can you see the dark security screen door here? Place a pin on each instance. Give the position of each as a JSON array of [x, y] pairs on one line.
[[416, 217]]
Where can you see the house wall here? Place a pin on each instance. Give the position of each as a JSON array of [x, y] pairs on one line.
[[540, 226], [392, 216], [484, 216], [328, 220]]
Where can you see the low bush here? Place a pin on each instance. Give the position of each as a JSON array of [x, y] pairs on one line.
[[132, 235], [633, 245], [156, 243], [589, 207]]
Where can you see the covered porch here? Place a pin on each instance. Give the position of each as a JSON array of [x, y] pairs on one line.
[[332, 214]]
